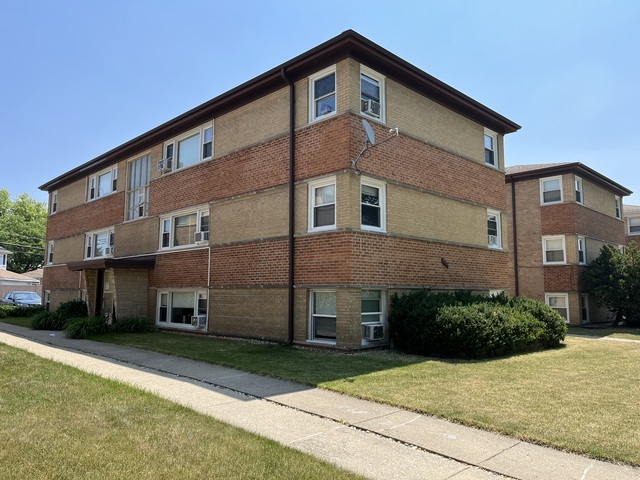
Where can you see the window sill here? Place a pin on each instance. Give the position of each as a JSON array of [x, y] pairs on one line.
[[322, 117]]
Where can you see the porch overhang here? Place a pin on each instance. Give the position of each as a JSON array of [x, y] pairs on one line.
[[147, 261]]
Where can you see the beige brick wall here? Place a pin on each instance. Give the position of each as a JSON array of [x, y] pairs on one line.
[[131, 288], [598, 198], [72, 195], [251, 217], [137, 237], [70, 249], [348, 319]]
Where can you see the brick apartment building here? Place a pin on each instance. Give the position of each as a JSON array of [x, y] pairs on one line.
[[631, 215], [561, 216], [245, 216]]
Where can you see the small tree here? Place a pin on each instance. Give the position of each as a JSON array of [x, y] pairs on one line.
[[614, 281]]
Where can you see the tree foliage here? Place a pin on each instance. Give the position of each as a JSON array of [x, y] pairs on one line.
[[23, 224], [613, 279]]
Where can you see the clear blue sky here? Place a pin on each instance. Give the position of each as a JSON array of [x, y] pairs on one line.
[[81, 77]]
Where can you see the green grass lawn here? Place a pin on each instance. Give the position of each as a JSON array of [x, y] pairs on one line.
[[622, 333], [21, 321], [58, 422]]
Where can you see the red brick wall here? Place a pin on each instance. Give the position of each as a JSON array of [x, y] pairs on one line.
[[563, 278], [60, 277], [100, 213], [575, 218], [180, 269]]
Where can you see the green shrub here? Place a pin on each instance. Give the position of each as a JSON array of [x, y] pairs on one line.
[[73, 309], [48, 321], [18, 311], [555, 328], [85, 327], [133, 325]]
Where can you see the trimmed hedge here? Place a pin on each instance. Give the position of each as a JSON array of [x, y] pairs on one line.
[[464, 325], [59, 319], [17, 311], [90, 326]]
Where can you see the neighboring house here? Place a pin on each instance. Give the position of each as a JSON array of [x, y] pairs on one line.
[[246, 217], [561, 216], [4, 258], [632, 223], [11, 281]]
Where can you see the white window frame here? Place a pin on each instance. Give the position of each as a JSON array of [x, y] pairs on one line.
[[582, 249], [382, 204], [169, 221], [544, 249], [584, 308], [313, 185], [618, 201], [549, 179], [381, 320], [93, 183], [490, 134], [171, 148], [548, 296], [313, 115], [3, 261], [636, 226], [54, 202], [137, 195], [380, 79], [50, 249], [197, 295], [311, 337], [90, 240], [579, 187], [498, 215]]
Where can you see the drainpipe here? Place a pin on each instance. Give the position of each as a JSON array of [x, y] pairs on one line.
[[292, 128], [515, 236]]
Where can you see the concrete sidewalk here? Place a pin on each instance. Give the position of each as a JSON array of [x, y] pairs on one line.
[[373, 440]]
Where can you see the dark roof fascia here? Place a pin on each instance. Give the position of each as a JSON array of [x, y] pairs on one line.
[[148, 261], [576, 167], [347, 44]]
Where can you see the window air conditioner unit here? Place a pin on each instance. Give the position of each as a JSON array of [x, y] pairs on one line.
[[373, 331], [201, 237], [493, 240], [108, 251], [199, 321], [165, 165], [371, 107]]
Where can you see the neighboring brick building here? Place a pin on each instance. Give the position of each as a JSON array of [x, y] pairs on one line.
[[246, 214], [561, 216], [631, 223]]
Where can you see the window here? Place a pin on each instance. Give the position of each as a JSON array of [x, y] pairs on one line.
[[584, 308], [184, 229], [551, 190], [322, 94], [103, 183], [579, 194], [494, 229], [3, 261], [175, 308], [553, 249], [188, 149], [99, 244], [491, 148], [371, 94], [582, 252], [618, 207], [372, 309], [559, 302], [54, 203], [323, 316], [634, 225], [322, 205], [372, 205], [50, 253], [139, 173]]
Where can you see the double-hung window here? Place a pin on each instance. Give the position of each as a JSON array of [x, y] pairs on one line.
[[102, 183], [322, 204], [550, 190], [618, 201], [322, 316], [188, 149], [99, 244], [372, 205], [322, 94], [491, 148], [178, 308], [494, 229], [559, 302], [184, 229], [553, 249], [50, 252], [582, 251], [371, 94], [579, 192], [54, 203], [139, 173], [634, 225]]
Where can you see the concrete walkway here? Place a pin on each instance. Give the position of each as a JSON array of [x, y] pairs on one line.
[[373, 440]]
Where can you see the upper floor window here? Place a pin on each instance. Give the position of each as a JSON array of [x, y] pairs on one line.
[[553, 249], [322, 204], [188, 149], [184, 229], [103, 183], [322, 93], [139, 173], [579, 193], [582, 251], [372, 205], [99, 244], [494, 229], [618, 207], [50, 253], [634, 225], [371, 94], [550, 190], [490, 148], [54, 203]]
